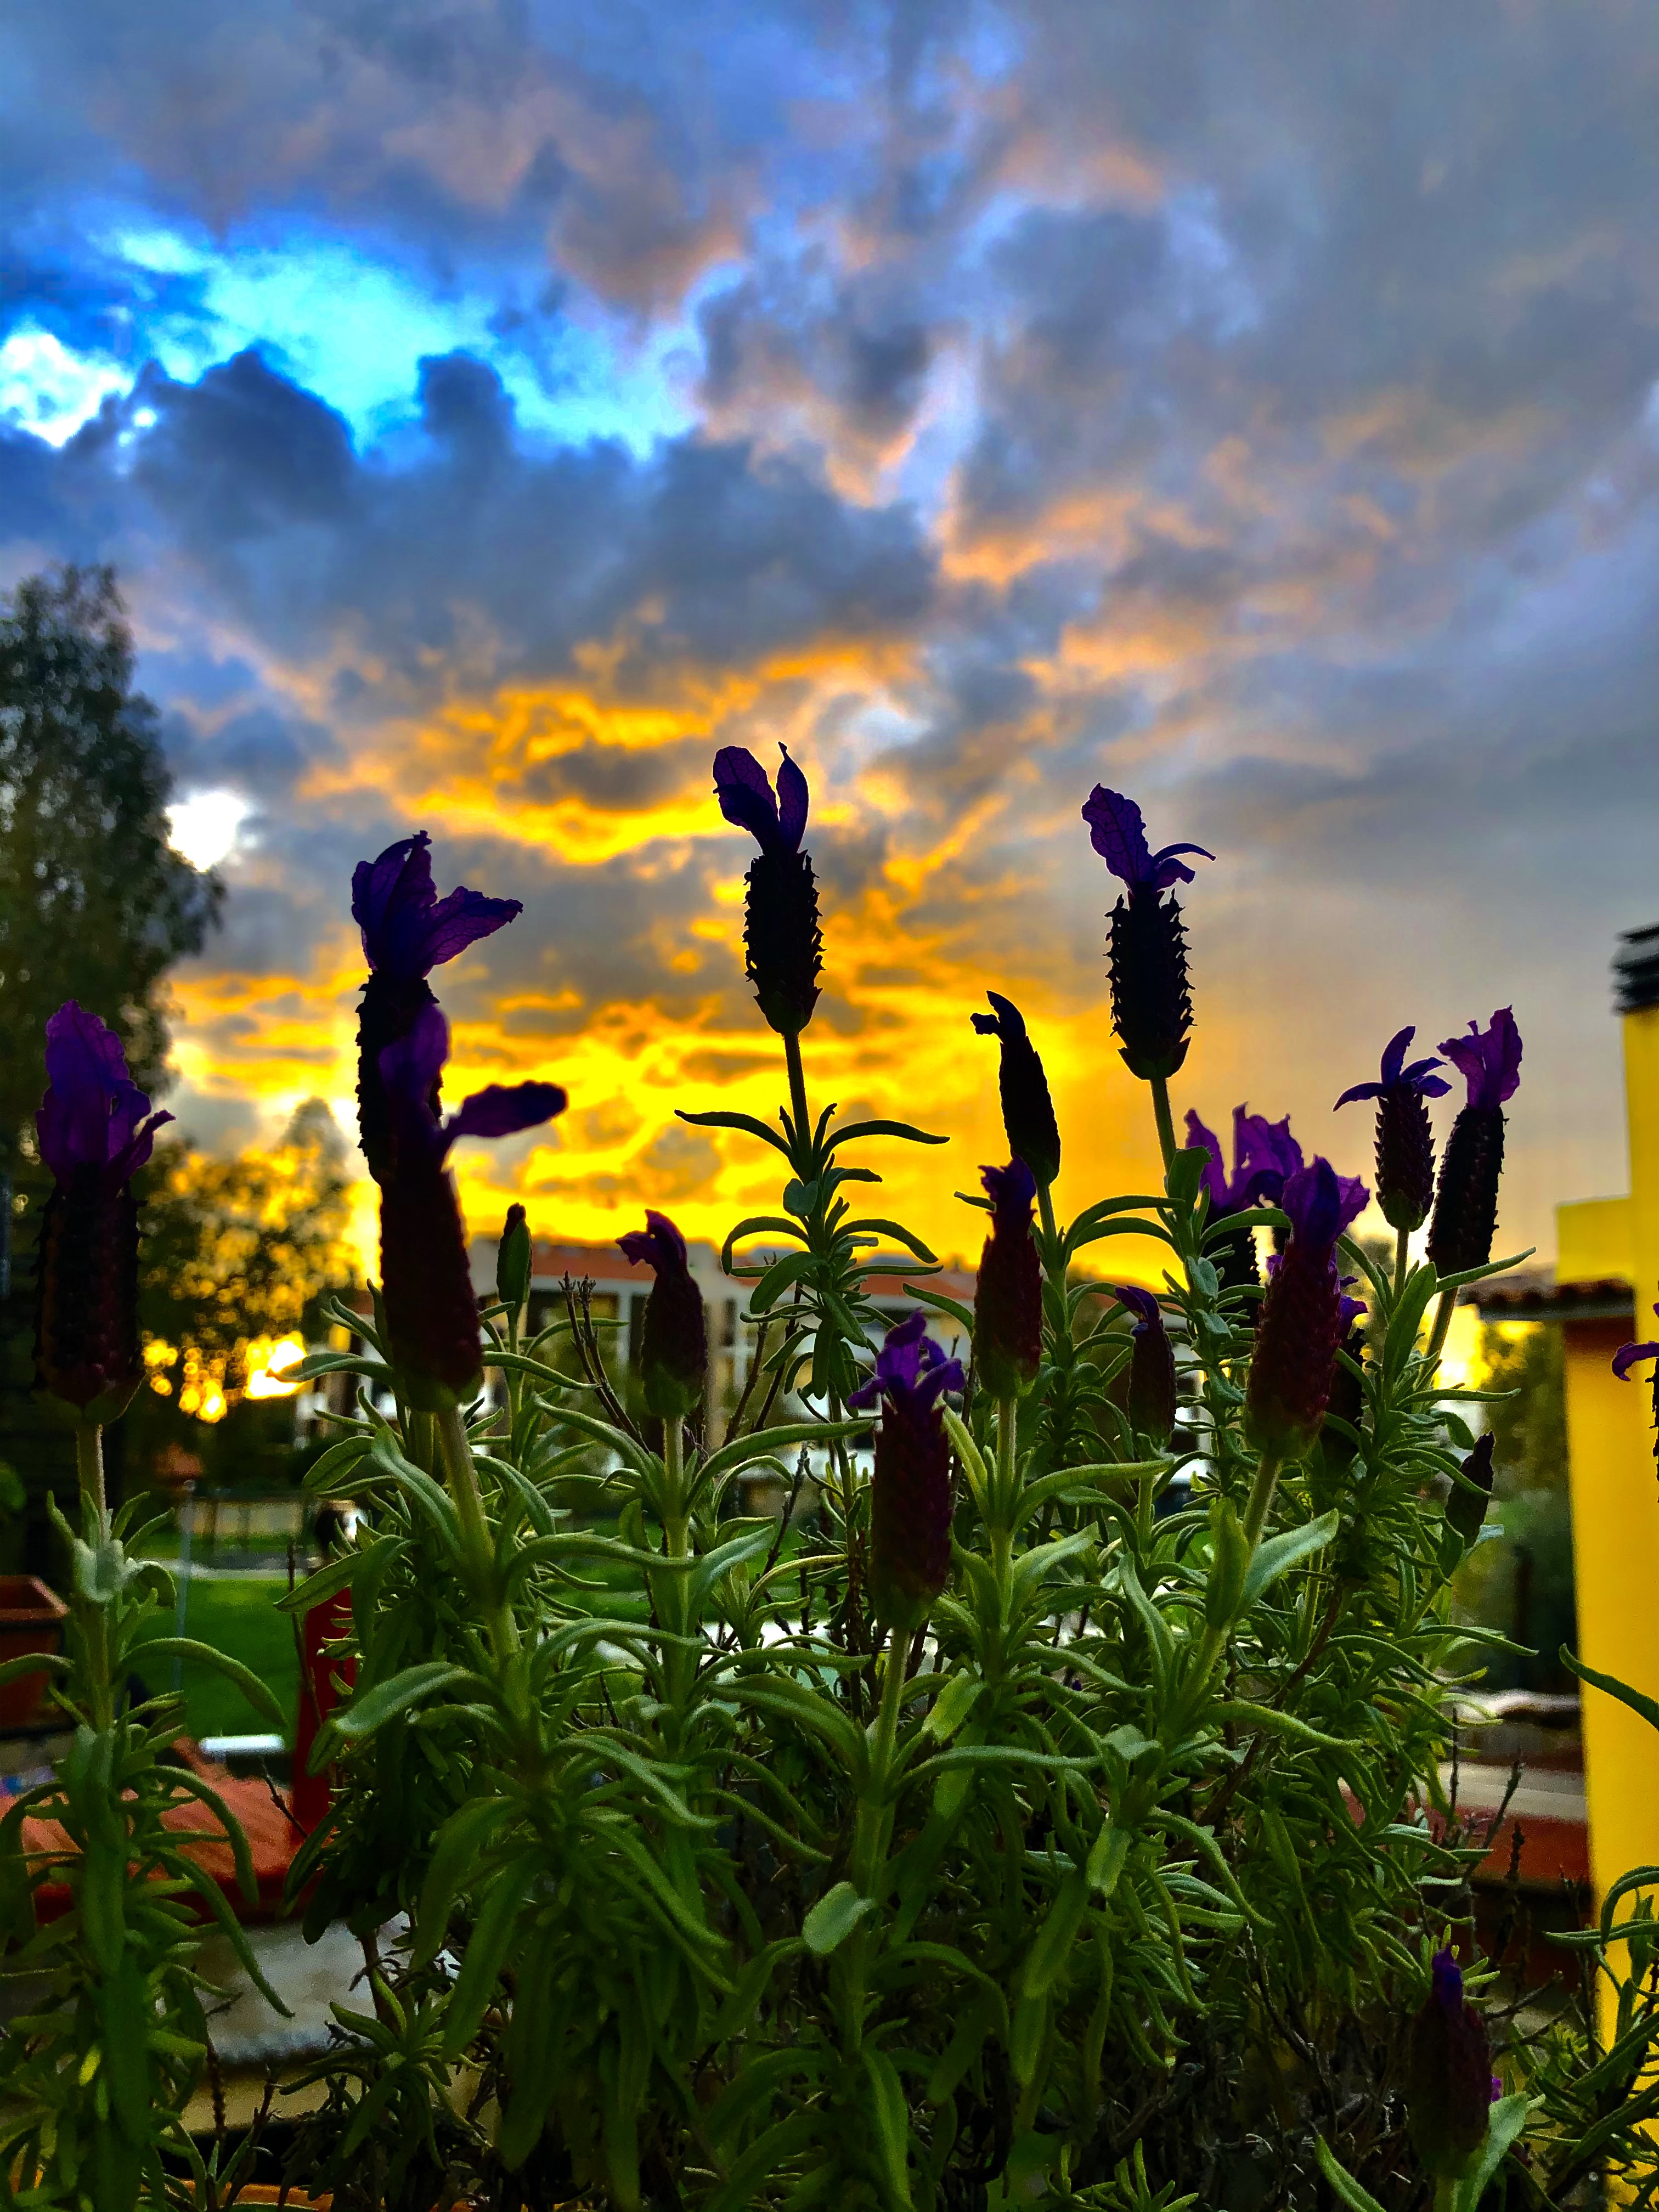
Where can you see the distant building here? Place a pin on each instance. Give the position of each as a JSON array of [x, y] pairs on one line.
[[1605, 1281]]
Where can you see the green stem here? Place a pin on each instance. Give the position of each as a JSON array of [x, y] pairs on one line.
[[1165, 1121], [1002, 1529], [1402, 1260], [796, 1090], [95, 1618], [1050, 1235], [90, 1466], [1443, 1320], [475, 1529], [1260, 1498]]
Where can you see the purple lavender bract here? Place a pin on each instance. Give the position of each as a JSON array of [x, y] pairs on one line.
[[1404, 1143], [674, 1342], [1151, 999], [910, 1500], [407, 932], [1631, 1355], [783, 944], [95, 1130], [1008, 1295], [1264, 1153], [1302, 1320], [431, 1308]]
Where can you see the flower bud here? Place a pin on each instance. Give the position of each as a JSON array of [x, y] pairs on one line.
[[1008, 1295], [1151, 1397], [1028, 1111], [783, 944], [674, 1343], [1302, 1320], [96, 1131], [910, 1494], [513, 1260], [1466, 1509], [1449, 2076]]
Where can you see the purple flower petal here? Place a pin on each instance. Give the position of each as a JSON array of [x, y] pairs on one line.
[[791, 802], [1321, 1203], [1489, 1060], [1631, 1355], [1215, 1172], [1264, 1153], [92, 1114], [1143, 1304], [745, 796], [1118, 834], [503, 1110], [1395, 1076], [1011, 1189], [910, 1368], [658, 1246], [407, 930]]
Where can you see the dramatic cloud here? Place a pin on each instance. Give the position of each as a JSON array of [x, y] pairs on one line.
[[493, 409]]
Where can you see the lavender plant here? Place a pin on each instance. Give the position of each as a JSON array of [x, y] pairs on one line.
[[1052, 1815]]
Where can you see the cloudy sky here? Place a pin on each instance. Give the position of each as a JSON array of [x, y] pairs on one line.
[[493, 408]]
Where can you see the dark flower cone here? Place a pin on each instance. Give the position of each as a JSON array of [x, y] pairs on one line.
[[1008, 1294], [674, 1347], [431, 1310], [1404, 1158], [783, 944], [87, 1348], [1153, 1386], [388, 1014], [910, 1509], [1448, 2080], [1028, 1111], [1152, 998], [1466, 1205], [1296, 1337]]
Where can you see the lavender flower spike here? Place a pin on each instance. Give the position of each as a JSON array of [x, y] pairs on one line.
[[910, 1500], [95, 1130], [1449, 2077], [1008, 1295], [1405, 1144], [1151, 1367], [1151, 999], [1302, 1319], [674, 1343], [407, 932], [1631, 1355], [431, 1310], [783, 944], [1466, 1203]]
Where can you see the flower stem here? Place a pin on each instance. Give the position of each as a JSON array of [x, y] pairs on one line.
[[1443, 1320], [90, 1466], [797, 1089], [1260, 1498], [1402, 1260], [1002, 1529], [1165, 1121], [475, 1529]]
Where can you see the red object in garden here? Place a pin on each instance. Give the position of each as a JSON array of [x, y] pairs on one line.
[[31, 1619], [318, 1696]]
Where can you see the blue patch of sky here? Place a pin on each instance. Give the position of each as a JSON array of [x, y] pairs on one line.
[[347, 326]]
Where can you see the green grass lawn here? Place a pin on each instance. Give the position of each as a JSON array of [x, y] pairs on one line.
[[239, 1618]]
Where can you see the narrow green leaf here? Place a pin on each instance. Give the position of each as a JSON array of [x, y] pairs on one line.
[[1283, 1551], [1356, 2198]]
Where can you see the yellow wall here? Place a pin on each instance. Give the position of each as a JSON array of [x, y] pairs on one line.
[[1615, 1501], [1593, 1241]]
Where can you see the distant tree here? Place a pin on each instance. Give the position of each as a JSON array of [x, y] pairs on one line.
[[239, 1251], [95, 903], [1523, 1583]]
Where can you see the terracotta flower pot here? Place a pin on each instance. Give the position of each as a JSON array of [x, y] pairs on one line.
[[31, 1619]]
